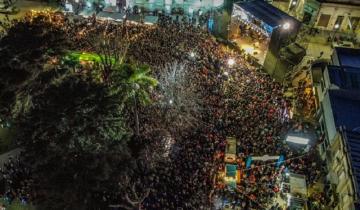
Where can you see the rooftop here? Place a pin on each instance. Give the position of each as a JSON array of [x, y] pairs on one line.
[[348, 56], [344, 77], [345, 105], [266, 12]]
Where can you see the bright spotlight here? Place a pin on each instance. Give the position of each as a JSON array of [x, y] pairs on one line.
[[286, 26], [297, 140], [231, 62], [336, 26], [192, 54], [171, 101], [288, 199], [226, 73], [294, 3]]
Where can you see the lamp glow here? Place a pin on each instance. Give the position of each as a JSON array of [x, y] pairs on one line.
[[297, 140], [231, 62], [286, 26]]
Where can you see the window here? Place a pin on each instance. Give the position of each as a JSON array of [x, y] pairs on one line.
[[324, 20], [354, 81], [339, 21], [354, 21]]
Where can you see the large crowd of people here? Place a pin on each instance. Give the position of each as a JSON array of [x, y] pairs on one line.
[[238, 100]]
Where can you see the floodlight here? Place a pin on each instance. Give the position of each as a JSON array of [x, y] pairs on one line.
[[286, 26], [297, 140], [231, 61]]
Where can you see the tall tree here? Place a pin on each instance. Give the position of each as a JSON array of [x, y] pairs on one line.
[[26, 46], [72, 129], [111, 47], [134, 83]]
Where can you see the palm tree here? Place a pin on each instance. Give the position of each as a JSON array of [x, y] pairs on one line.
[[133, 82]]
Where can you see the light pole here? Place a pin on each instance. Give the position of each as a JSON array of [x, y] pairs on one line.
[[284, 29], [292, 5], [336, 27]]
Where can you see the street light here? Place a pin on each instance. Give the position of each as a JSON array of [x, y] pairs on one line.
[[297, 140], [231, 62], [286, 26], [336, 27]]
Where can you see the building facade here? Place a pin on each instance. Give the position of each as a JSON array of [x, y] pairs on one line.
[[256, 21], [338, 113], [187, 6], [337, 16]]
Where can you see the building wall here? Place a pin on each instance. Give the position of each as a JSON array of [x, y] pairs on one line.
[[334, 11], [338, 167], [328, 119], [189, 6], [335, 58], [313, 14]]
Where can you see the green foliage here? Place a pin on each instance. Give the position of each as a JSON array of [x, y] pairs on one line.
[[70, 125], [23, 51], [84, 56], [72, 128], [134, 84], [132, 80]]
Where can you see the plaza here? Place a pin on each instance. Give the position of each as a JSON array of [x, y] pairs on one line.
[[159, 105]]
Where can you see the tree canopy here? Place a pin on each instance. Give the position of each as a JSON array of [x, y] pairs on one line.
[[70, 124]]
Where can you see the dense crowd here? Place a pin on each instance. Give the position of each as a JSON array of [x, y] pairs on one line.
[[15, 181], [238, 100]]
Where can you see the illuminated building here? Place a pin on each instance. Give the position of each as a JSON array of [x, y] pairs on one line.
[[326, 14], [261, 30], [188, 7], [338, 113]]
